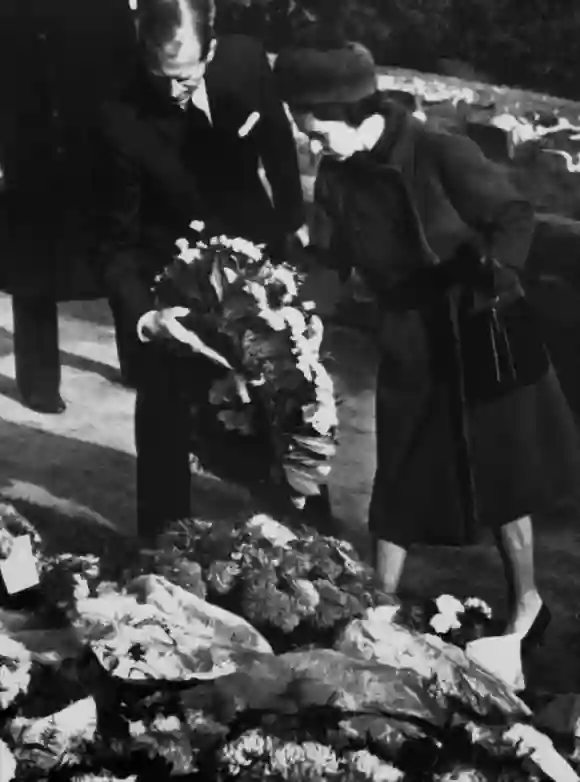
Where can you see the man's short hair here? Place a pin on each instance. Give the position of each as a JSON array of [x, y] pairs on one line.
[[161, 21]]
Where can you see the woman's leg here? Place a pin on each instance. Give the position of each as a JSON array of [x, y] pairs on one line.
[[389, 561], [516, 545]]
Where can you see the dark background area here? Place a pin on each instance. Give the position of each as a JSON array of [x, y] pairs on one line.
[[531, 44]]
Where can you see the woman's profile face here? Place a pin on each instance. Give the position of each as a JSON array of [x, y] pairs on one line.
[[338, 139]]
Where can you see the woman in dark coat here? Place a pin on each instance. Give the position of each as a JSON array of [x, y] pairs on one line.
[[473, 431]]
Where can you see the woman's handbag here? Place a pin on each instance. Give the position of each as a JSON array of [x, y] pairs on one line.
[[501, 346]]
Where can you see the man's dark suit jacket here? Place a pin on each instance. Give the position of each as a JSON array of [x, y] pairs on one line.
[[161, 170]]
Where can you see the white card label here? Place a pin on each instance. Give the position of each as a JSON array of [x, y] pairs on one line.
[[19, 571]]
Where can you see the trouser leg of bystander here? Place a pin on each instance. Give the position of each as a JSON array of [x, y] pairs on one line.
[[36, 352]]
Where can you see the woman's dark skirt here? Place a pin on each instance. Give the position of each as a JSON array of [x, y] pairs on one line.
[[525, 459]]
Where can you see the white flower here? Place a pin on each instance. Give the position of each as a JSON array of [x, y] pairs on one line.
[[15, 664], [274, 319], [242, 752], [271, 530], [316, 147], [167, 724], [286, 756], [295, 319], [315, 333], [316, 757], [307, 592], [187, 253], [7, 764], [324, 382], [137, 728], [322, 419], [443, 623], [283, 276], [447, 604], [197, 719], [304, 365], [477, 604], [323, 470], [320, 757], [242, 246], [81, 589], [373, 768], [230, 275], [259, 294]]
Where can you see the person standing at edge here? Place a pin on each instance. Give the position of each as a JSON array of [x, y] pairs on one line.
[[173, 152], [473, 430], [58, 60]]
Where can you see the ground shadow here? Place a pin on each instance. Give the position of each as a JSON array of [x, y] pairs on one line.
[[72, 478], [80, 363], [9, 389], [60, 535], [95, 311]]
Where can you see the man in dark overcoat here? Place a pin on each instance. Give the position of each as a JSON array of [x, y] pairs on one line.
[[58, 60], [183, 142]]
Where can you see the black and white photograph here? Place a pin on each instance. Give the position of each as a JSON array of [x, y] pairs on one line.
[[289, 391]]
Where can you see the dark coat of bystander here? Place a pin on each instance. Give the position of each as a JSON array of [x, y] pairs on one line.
[[58, 61]]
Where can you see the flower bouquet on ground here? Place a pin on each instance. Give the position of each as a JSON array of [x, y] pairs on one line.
[[456, 621], [246, 310], [260, 754], [469, 624], [296, 588]]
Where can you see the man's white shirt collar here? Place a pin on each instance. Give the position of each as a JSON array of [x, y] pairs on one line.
[[200, 100]]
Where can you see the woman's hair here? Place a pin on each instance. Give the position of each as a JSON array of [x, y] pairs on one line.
[[161, 22]]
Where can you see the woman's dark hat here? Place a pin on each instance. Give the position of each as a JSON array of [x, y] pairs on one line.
[[310, 77]]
